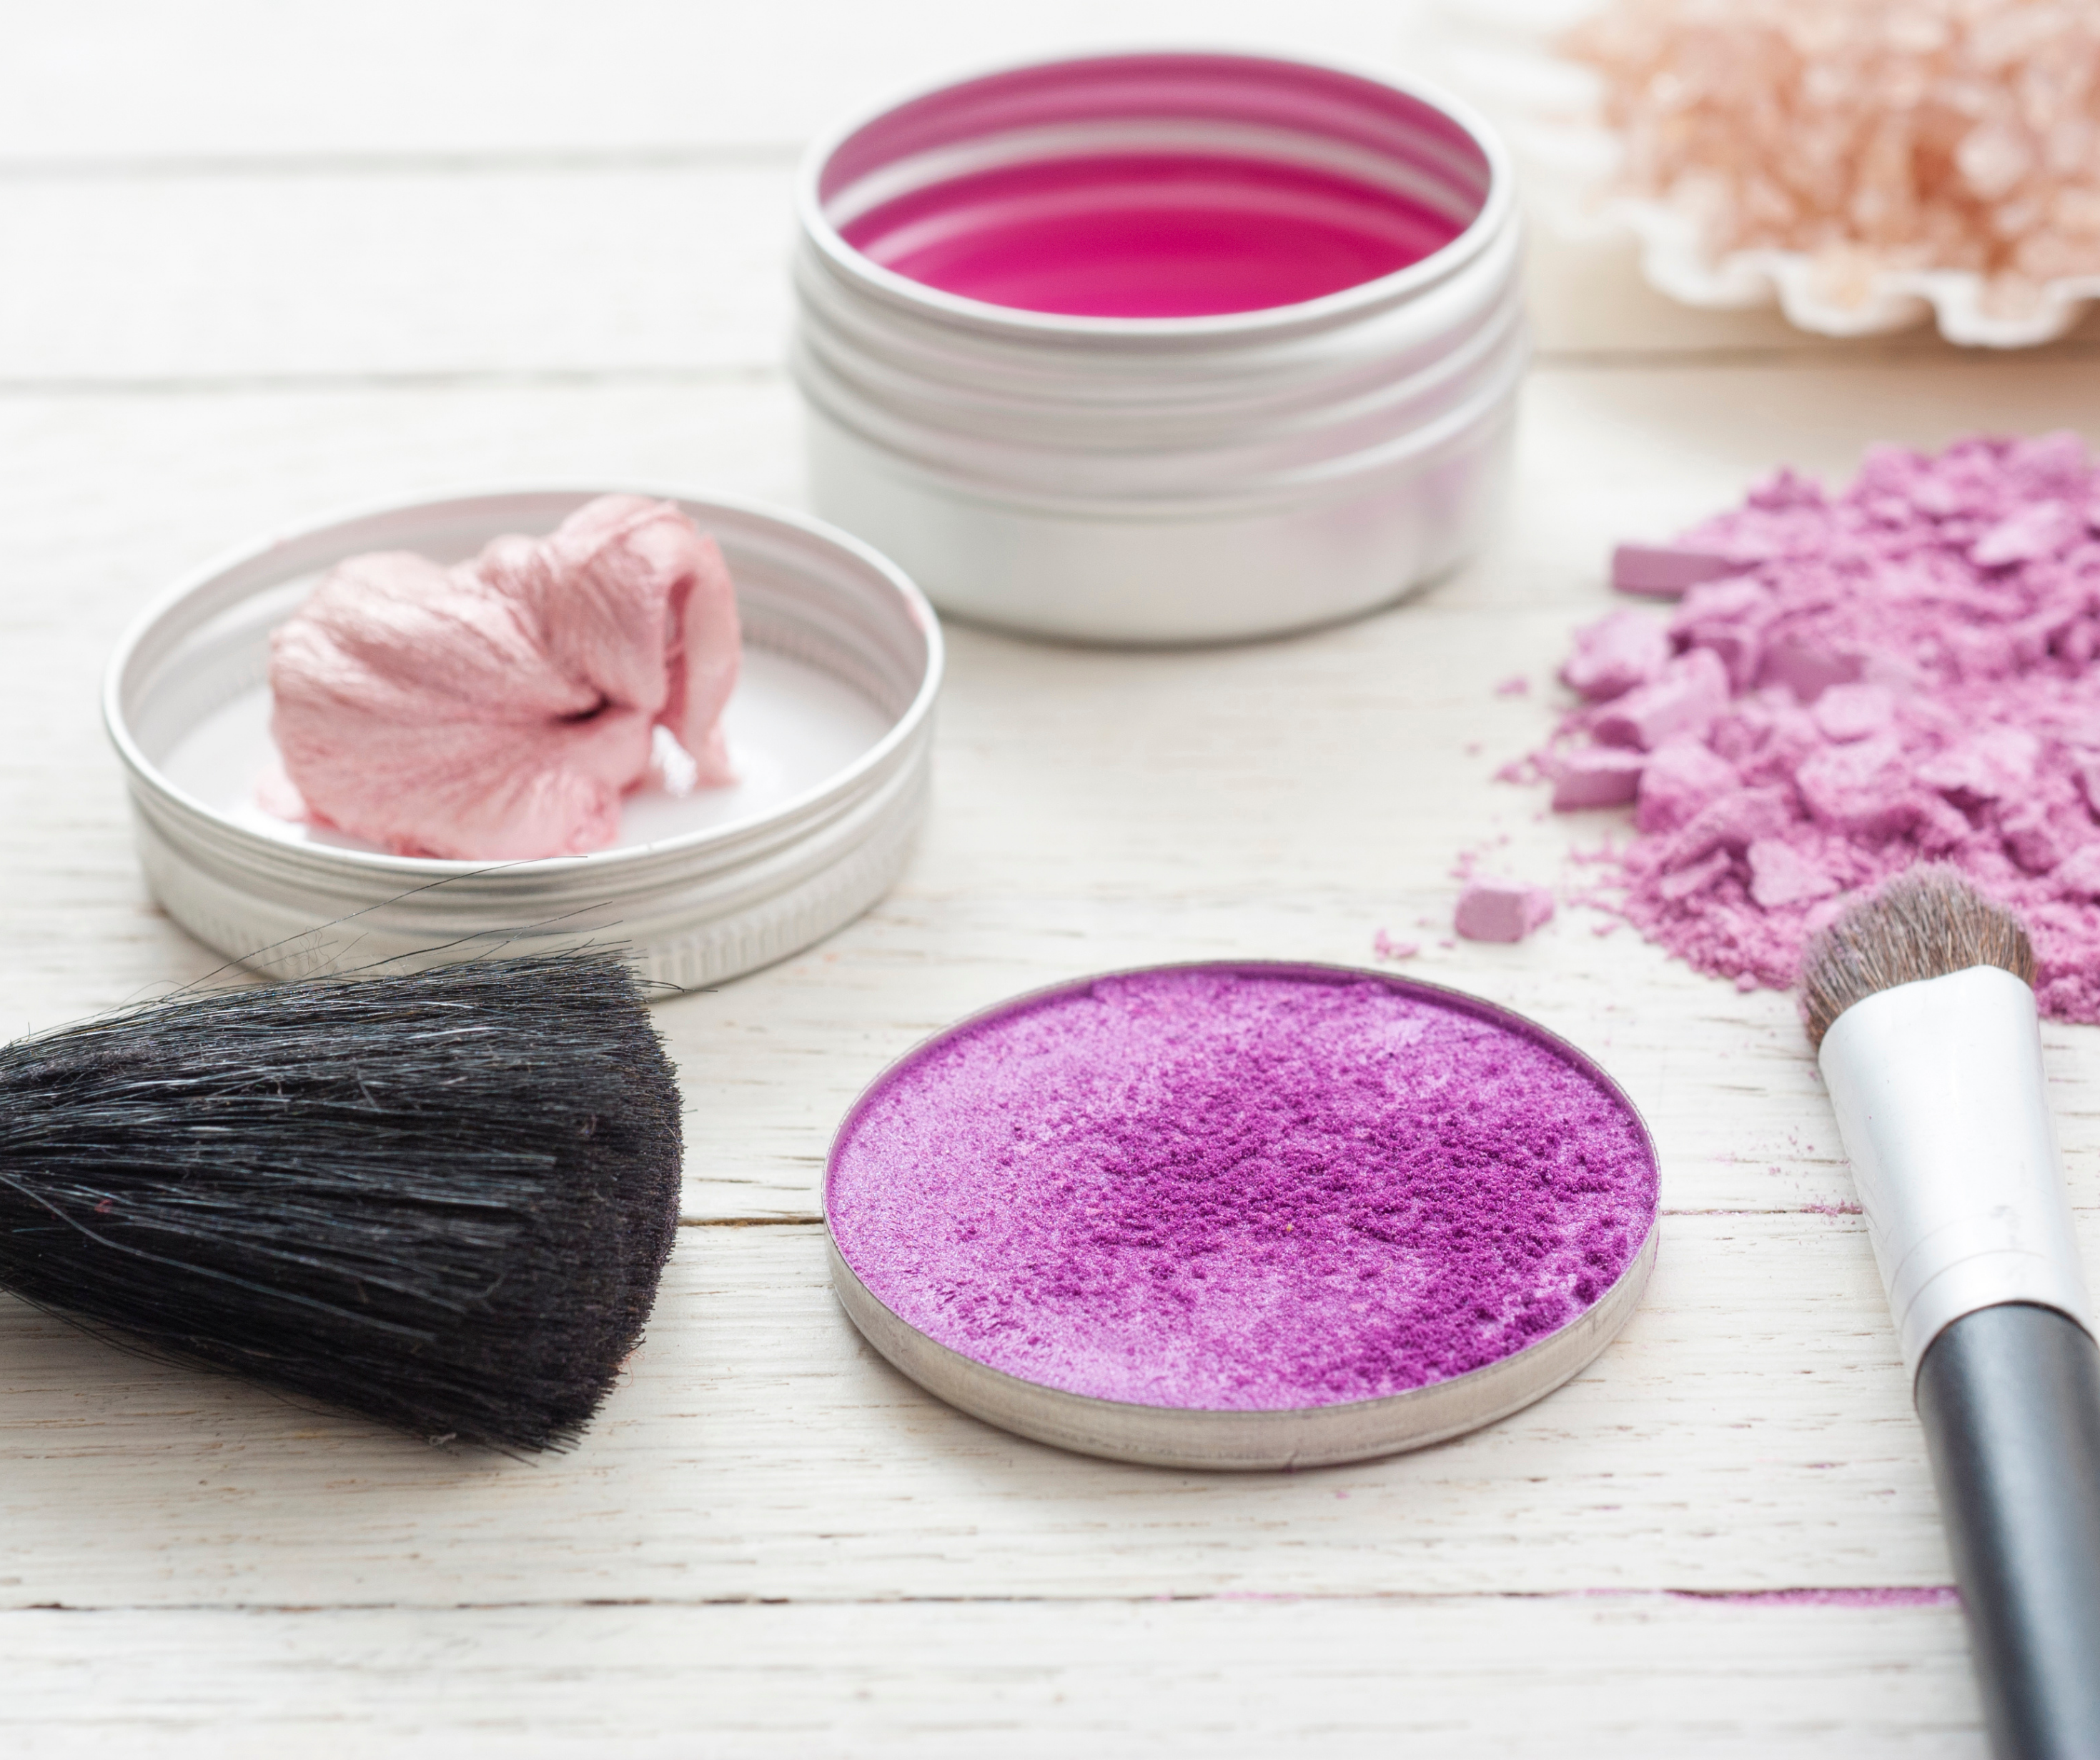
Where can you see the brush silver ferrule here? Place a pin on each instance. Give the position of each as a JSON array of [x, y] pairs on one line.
[[1937, 1089]]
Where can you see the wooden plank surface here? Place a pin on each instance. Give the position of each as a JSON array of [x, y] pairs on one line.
[[267, 261], [243, 79], [1579, 1676], [1729, 1440], [570, 266]]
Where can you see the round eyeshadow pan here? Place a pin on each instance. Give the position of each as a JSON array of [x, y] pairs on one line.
[[1241, 1214]]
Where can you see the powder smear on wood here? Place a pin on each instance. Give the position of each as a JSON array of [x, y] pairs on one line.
[[1907, 670], [1202, 1188]]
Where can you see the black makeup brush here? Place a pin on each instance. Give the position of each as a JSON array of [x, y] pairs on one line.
[[1920, 1002], [441, 1200]]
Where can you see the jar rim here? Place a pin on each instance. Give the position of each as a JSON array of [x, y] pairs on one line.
[[855, 268]]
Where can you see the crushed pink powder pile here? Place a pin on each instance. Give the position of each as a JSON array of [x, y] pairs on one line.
[[1207, 1188], [1906, 671], [499, 710]]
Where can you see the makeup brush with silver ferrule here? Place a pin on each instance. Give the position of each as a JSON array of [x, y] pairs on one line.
[[1920, 1005]]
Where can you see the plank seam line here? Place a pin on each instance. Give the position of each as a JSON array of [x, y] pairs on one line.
[[1881, 1596], [811, 1221], [418, 379], [528, 378], [436, 162]]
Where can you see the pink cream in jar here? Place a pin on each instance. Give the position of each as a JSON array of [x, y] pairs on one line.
[[1160, 348]]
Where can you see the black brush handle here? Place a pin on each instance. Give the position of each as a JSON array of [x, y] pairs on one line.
[[2010, 1397]]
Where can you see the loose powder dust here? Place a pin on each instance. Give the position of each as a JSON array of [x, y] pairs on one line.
[[1908, 670], [1226, 1190]]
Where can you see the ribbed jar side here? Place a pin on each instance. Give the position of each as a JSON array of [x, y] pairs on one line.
[[1043, 419], [1163, 480], [1169, 577], [683, 929]]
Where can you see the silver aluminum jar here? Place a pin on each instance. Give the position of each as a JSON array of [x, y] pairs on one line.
[[1165, 479]]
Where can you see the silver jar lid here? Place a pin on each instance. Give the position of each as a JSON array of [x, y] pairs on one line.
[[833, 715]]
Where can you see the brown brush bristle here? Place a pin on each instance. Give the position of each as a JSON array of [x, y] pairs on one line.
[[1923, 924]]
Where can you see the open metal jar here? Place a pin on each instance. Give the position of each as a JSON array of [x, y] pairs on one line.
[[1161, 347]]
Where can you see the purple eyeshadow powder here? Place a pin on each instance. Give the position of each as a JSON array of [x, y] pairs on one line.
[[1240, 1188]]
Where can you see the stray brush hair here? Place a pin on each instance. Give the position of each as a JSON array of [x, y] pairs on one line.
[[441, 1199], [1923, 924]]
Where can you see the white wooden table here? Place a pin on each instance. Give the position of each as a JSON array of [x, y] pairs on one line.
[[259, 260]]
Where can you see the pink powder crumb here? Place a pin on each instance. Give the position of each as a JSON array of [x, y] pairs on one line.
[[499, 710], [1808, 667], [1385, 947], [1726, 618], [2079, 873], [1501, 910], [1679, 782], [1596, 775], [1684, 702], [1663, 571], [2035, 534], [1905, 670], [1613, 655], [1780, 874], [1854, 711], [1517, 685]]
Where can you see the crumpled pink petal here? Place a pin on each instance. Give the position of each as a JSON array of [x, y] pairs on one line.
[[498, 710]]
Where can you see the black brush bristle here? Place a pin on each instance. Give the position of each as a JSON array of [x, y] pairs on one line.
[[1923, 924], [441, 1199]]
